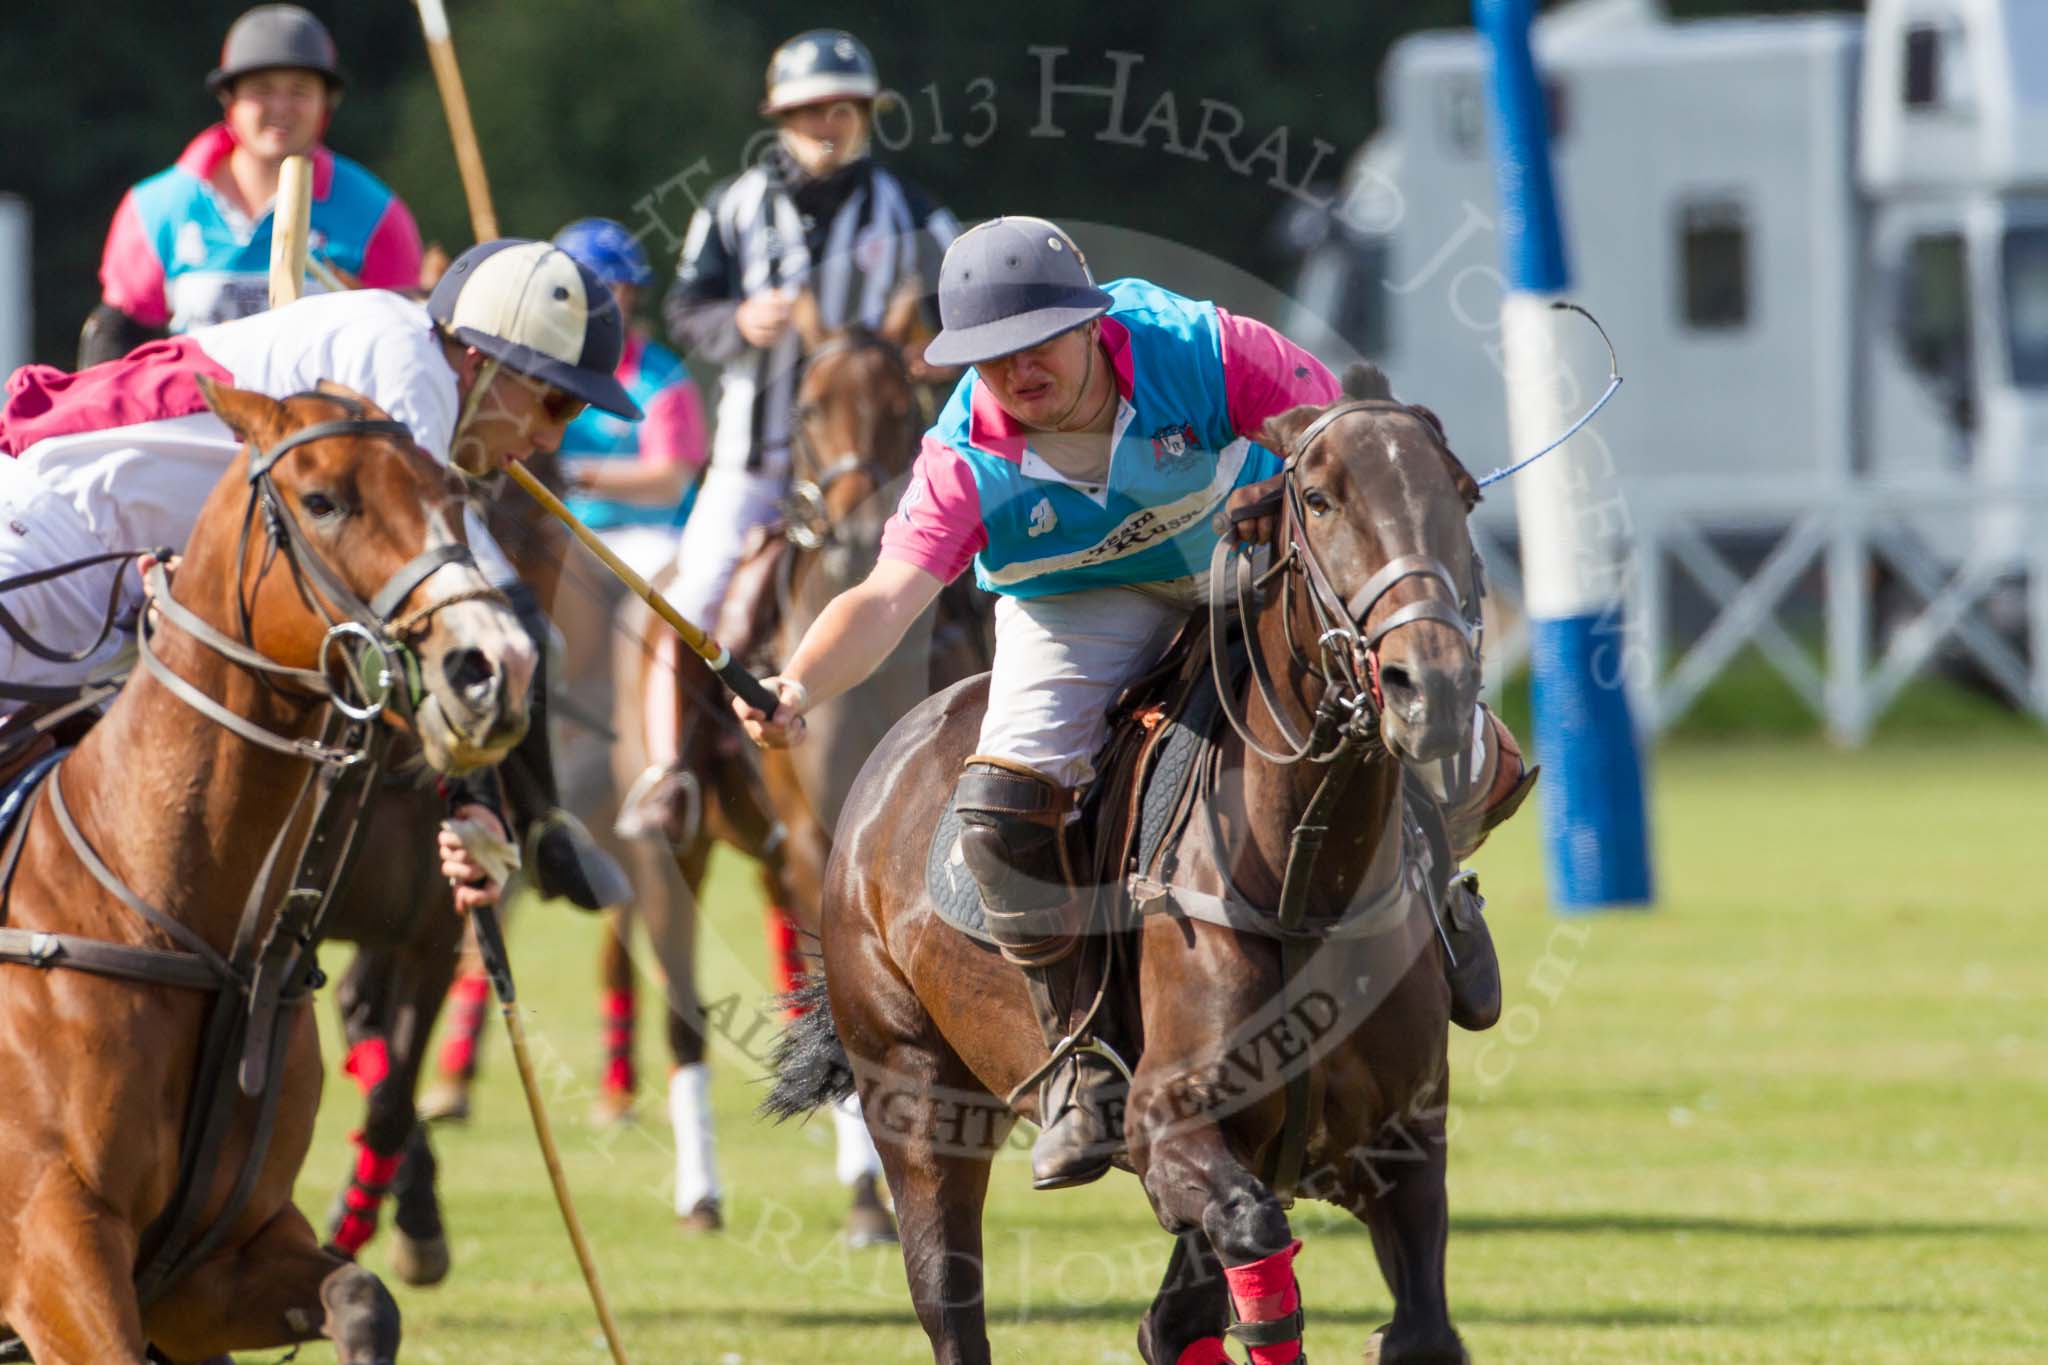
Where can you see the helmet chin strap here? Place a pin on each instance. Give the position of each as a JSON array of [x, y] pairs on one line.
[[473, 403], [1087, 378]]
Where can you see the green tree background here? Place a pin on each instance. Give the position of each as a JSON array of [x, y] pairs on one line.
[[630, 108]]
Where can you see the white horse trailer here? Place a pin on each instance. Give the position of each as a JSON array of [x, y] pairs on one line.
[[1820, 245]]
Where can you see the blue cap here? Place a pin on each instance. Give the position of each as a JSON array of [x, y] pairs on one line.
[[608, 249], [818, 66], [1008, 284]]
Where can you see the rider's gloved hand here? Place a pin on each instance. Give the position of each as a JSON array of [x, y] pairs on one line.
[[783, 730], [1251, 514]]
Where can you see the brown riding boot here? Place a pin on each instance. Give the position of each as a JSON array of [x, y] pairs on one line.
[[1014, 839], [1472, 967]]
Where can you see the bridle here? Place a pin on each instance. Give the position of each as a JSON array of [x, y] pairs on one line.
[[806, 521], [1347, 714], [268, 970], [371, 645]]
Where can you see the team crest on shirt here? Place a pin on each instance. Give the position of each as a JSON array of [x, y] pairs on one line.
[[1173, 447]]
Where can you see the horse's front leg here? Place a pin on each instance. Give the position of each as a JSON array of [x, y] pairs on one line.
[[279, 1288], [1191, 1309], [1198, 1186], [69, 1292]]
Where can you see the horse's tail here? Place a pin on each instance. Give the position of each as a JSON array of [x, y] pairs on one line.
[[811, 1069]]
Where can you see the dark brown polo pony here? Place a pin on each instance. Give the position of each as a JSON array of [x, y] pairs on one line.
[[857, 423], [936, 1027], [95, 1072]]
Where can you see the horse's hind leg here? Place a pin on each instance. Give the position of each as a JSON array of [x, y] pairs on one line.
[[1190, 1310], [388, 1000], [1405, 1209], [938, 1168], [280, 1288], [70, 1295]]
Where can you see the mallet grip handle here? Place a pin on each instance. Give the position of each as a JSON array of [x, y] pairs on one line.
[[744, 685]]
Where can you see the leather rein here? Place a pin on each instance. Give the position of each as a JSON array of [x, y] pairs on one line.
[[1344, 728]]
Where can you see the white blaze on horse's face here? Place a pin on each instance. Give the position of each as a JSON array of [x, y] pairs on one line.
[[476, 664]]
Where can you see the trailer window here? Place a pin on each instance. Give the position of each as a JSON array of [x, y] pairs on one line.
[[1934, 307], [1713, 253], [1923, 67], [2026, 305]]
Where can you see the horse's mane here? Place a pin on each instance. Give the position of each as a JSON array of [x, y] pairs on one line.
[[1365, 381]]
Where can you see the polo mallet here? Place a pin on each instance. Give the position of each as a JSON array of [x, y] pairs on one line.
[[489, 940], [484, 222], [291, 230]]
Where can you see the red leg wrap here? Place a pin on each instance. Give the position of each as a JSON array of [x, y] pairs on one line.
[[617, 1014], [785, 957], [466, 999], [1265, 1291], [369, 1062], [364, 1196], [1207, 1351]]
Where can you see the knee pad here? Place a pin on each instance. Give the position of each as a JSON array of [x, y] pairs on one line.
[[1013, 840]]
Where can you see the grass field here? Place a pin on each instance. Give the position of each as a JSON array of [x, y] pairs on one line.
[[1798, 1113]]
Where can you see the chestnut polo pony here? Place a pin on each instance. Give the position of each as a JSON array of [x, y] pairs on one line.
[[163, 893], [1284, 992]]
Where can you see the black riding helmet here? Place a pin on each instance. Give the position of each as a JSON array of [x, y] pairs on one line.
[[822, 64], [270, 37]]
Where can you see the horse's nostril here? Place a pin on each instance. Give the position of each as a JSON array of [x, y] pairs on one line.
[[470, 673], [1395, 678]]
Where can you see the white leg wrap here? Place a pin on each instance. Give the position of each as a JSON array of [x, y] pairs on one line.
[[689, 1111], [857, 1154]]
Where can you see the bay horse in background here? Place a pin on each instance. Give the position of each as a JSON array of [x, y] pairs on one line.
[[1291, 1018], [149, 1195], [857, 425], [410, 948]]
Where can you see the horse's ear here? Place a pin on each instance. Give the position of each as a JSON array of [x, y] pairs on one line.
[[1468, 487], [1282, 429], [251, 416], [902, 312], [805, 318]]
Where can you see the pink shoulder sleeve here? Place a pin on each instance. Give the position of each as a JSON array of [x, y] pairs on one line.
[[391, 258], [1264, 373], [673, 430], [937, 526], [131, 276]]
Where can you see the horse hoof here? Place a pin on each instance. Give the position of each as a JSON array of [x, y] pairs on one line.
[[419, 1261], [1455, 1355], [704, 1216], [611, 1108], [868, 1223], [447, 1102]]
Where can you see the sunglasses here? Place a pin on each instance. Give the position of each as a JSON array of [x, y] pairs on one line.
[[560, 406]]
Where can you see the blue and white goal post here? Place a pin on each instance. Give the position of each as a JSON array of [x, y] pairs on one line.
[[1595, 822]]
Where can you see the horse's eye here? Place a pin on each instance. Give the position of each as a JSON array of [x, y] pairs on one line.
[[318, 505], [807, 412], [1316, 503]]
